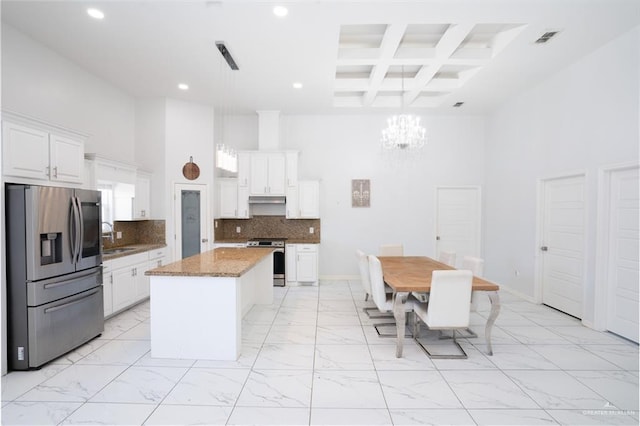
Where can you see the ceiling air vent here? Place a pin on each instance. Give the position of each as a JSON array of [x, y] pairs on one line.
[[226, 55], [544, 38]]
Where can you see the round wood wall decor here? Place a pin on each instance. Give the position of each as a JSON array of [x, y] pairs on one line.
[[191, 170]]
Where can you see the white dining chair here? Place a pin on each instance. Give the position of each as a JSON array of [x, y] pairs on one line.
[[391, 250], [382, 299], [476, 266], [448, 257], [448, 307], [363, 265]]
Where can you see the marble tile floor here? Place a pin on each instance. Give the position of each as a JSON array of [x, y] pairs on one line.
[[313, 357]]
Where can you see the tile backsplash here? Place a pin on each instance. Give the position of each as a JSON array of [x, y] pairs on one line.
[[267, 227], [137, 232]]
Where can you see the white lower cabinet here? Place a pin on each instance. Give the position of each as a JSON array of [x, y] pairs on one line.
[[302, 264], [107, 291], [124, 281]]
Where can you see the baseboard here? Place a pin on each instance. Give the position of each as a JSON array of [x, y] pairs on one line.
[[339, 277]]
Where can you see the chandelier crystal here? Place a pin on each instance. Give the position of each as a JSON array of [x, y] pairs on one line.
[[403, 131]]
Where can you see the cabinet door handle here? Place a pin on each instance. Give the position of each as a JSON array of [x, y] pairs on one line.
[[47, 171], [55, 171]]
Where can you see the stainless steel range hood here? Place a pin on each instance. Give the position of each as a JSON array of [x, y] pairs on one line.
[[267, 199]]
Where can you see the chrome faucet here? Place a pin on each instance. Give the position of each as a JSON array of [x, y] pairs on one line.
[[111, 234]]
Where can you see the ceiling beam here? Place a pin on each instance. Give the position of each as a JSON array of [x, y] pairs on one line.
[[390, 42]]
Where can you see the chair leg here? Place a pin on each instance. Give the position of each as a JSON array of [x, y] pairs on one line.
[[462, 355], [467, 333], [378, 315], [390, 324]]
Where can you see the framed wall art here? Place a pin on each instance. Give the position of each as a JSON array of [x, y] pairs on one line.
[[360, 193]]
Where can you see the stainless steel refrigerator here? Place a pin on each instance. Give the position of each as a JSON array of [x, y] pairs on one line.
[[54, 272]]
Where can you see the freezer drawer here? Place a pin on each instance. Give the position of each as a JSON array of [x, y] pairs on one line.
[[63, 325], [46, 291]]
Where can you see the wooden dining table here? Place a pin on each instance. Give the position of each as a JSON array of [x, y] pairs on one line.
[[406, 274]]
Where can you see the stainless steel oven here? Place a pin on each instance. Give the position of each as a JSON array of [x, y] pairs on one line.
[[279, 266]]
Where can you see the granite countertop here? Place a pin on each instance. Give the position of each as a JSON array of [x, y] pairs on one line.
[[131, 249], [287, 240], [221, 262]]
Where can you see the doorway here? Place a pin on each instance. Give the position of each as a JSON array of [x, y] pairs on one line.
[[561, 218], [458, 214], [619, 239], [191, 219]]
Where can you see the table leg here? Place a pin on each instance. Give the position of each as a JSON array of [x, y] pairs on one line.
[[400, 316], [495, 310]]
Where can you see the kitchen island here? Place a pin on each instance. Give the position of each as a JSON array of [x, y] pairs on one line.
[[197, 303]]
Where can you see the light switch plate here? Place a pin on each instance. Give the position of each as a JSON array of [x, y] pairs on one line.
[[238, 229], [119, 234], [311, 229]]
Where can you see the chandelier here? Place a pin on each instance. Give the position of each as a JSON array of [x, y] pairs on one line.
[[403, 131]]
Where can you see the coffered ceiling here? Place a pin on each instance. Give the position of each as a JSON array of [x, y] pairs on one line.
[[349, 56]]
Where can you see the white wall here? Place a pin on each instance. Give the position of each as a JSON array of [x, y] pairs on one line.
[[584, 117], [189, 132], [336, 149], [40, 83]]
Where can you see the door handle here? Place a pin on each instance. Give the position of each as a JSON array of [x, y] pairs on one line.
[[544, 248], [205, 240]]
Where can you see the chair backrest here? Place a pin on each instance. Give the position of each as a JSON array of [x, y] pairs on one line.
[[448, 257], [473, 264], [363, 264], [377, 282], [449, 299], [391, 250]]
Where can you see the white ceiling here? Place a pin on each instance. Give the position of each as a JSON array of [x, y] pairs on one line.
[[350, 56]]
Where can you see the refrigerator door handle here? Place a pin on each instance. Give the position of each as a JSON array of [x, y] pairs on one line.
[[72, 230], [81, 227], [76, 231]]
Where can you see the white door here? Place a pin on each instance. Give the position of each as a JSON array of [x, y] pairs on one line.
[[623, 280], [458, 221], [562, 245], [192, 219]]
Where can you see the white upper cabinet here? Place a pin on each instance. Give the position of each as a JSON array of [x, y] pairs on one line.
[[292, 168], [142, 200], [36, 153], [268, 172], [233, 200], [244, 168], [309, 199], [293, 206], [227, 198], [66, 159], [243, 202]]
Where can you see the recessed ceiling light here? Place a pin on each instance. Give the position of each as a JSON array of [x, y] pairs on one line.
[[183, 86], [297, 85], [280, 11], [95, 13]]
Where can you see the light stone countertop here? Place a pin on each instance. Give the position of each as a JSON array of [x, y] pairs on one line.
[[133, 249], [221, 262]]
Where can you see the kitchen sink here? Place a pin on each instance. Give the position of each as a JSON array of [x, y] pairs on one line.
[[117, 250]]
